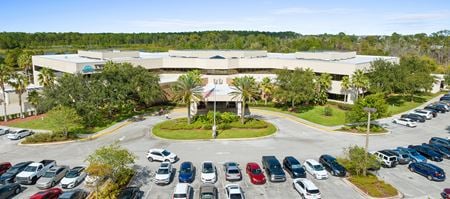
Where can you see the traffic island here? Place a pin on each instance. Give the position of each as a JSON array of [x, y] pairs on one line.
[[371, 187]]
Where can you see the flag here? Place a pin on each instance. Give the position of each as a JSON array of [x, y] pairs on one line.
[[209, 93]]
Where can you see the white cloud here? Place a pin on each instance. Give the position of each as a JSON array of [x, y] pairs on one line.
[[304, 10]]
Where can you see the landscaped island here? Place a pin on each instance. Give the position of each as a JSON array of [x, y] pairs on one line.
[[228, 126]]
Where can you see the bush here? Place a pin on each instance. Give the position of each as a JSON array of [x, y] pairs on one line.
[[201, 123], [342, 106], [373, 186], [327, 111], [354, 160], [49, 137], [363, 128]]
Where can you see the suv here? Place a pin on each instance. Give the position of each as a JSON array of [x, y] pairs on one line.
[[306, 188], [444, 151], [52, 177], [414, 117], [209, 173], [437, 107], [427, 114], [428, 170], [428, 153], [183, 191], [232, 171], [440, 141], [331, 165], [164, 173], [402, 157], [4, 131], [413, 154], [162, 155], [234, 191], [387, 158], [405, 122], [273, 169], [293, 167], [315, 169]]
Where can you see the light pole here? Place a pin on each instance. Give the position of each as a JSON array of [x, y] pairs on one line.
[[214, 127], [369, 111]]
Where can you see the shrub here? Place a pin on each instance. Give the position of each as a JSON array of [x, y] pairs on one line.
[[49, 137], [373, 186], [354, 160], [342, 106], [327, 111]]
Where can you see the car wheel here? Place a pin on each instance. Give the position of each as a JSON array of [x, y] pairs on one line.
[[430, 178], [333, 173], [53, 184], [166, 160], [17, 191], [411, 169], [150, 159]]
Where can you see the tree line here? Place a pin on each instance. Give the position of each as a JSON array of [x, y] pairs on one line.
[[435, 45]]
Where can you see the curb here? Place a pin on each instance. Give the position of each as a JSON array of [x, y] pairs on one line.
[[363, 134], [365, 195], [95, 136]]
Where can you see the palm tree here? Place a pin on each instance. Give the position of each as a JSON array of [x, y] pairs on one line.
[[5, 75], [46, 77], [267, 89], [360, 82], [24, 61], [34, 98], [20, 82], [345, 85], [188, 89], [244, 89], [324, 82]]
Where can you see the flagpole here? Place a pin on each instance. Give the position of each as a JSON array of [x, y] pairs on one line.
[[214, 125]]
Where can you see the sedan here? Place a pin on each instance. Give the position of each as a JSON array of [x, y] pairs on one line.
[[187, 172], [4, 166], [413, 154], [52, 193], [405, 122], [209, 173], [208, 191], [73, 177], [331, 165], [51, 177], [432, 172], [428, 153], [130, 193], [234, 191], [293, 167], [315, 169], [19, 134], [444, 151], [9, 190], [414, 117], [232, 171], [255, 173], [74, 194]]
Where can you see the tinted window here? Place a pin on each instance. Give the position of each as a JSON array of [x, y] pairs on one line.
[[179, 195], [206, 196], [49, 174], [71, 174], [163, 171], [165, 153], [313, 191], [256, 171], [233, 171], [208, 168], [235, 196], [30, 169], [318, 167]]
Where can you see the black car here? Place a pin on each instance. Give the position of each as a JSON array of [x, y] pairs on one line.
[[331, 165], [433, 112], [130, 193], [10, 174], [9, 190], [414, 117], [273, 169], [293, 167], [436, 107], [440, 141], [444, 151], [428, 153], [74, 194]]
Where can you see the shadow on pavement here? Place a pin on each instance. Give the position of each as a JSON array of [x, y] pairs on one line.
[[144, 175]]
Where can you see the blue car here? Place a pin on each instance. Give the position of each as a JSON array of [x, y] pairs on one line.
[[428, 153], [432, 172], [444, 151], [413, 154], [187, 172]]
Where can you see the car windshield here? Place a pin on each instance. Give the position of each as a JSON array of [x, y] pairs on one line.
[[185, 170], [233, 171], [235, 196], [296, 166], [414, 153], [207, 196], [208, 168], [30, 168], [13, 170], [275, 166], [392, 159], [256, 171], [71, 174], [165, 153], [313, 191], [318, 167], [49, 174], [180, 195], [163, 171], [232, 164]]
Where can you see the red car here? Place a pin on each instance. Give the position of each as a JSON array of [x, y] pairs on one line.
[[4, 166], [446, 193], [52, 193], [255, 173]]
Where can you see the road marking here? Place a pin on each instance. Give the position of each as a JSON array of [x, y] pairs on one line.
[[222, 153], [122, 138]]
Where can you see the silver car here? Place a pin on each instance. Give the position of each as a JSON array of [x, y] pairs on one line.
[[52, 177], [232, 171]]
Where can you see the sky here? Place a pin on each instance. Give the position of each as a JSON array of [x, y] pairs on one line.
[[360, 17]]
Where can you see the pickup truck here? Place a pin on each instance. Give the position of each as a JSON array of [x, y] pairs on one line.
[[273, 168], [34, 171]]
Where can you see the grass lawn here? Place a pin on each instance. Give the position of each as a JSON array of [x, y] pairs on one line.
[[316, 115], [207, 134], [372, 186], [399, 103]]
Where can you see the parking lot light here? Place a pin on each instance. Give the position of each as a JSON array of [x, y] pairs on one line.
[[369, 111]]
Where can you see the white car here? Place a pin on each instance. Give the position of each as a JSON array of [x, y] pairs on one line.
[[234, 191], [306, 188], [4, 131], [19, 134], [422, 112], [315, 169], [73, 177], [164, 173], [208, 174], [405, 122], [92, 181], [183, 191], [162, 155]]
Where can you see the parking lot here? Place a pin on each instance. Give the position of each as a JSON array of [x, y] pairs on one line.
[[292, 138]]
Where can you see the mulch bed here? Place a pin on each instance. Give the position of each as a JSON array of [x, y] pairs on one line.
[[18, 120]]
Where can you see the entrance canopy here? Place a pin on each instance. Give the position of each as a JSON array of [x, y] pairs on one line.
[[222, 92]]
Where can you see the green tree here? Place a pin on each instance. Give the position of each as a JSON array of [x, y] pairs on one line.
[[384, 76], [418, 77], [447, 77], [188, 90], [244, 90], [323, 84], [46, 77], [354, 160], [25, 63], [20, 83], [295, 86], [65, 119], [360, 82], [377, 101], [345, 86], [34, 98], [267, 89], [5, 76], [11, 57]]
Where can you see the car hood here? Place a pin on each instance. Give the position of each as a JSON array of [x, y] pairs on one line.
[[44, 180], [68, 180], [7, 176], [258, 176], [25, 174], [298, 171], [322, 172], [185, 175], [162, 176], [208, 175]]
